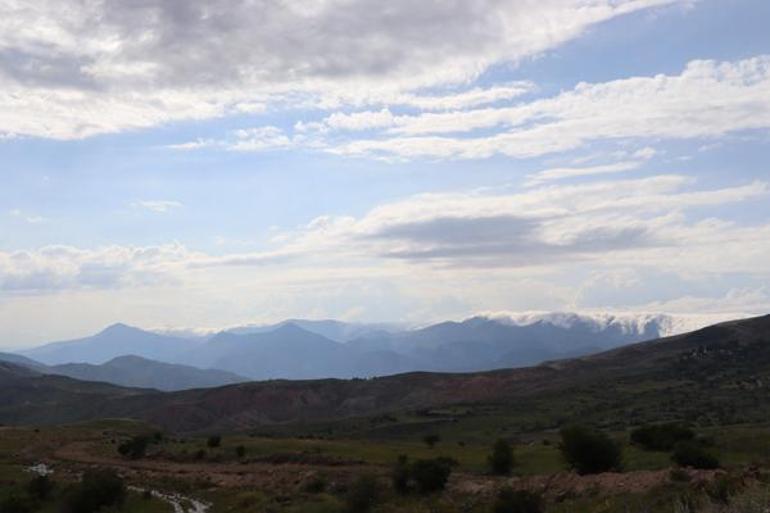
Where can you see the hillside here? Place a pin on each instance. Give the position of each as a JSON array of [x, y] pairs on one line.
[[135, 371], [707, 372]]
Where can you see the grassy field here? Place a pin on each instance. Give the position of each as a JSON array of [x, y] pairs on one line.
[[273, 473]]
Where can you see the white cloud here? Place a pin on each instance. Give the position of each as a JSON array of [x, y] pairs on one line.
[[560, 173], [55, 268], [64, 65], [160, 206], [259, 139], [28, 218], [708, 99]]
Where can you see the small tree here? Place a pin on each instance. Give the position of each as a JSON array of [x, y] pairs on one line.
[[589, 451], [519, 501], [501, 459], [691, 454], [97, 489], [40, 487], [431, 440], [362, 494], [400, 474], [431, 475], [214, 441], [240, 451], [135, 448]]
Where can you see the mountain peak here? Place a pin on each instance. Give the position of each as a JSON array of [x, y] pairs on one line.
[[291, 327], [119, 328]]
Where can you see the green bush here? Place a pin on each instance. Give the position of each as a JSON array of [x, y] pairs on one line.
[[431, 440], [316, 484], [401, 474], [501, 459], [661, 437], [519, 501], [692, 454], [40, 487], [97, 489], [362, 494], [423, 476], [214, 441], [589, 451], [431, 475], [240, 451], [135, 448]]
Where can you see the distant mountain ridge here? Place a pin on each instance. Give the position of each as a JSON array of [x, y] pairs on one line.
[[115, 340], [719, 370], [135, 371], [311, 349], [132, 371]]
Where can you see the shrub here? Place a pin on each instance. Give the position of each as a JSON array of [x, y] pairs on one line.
[[134, 448], [401, 473], [431, 440], [661, 437], [589, 451], [240, 451], [214, 441], [40, 487], [501, 459], [97, 489], [315, 484], [200, 454], [362, 494], [431, 475], [519, 501], [692, 454]]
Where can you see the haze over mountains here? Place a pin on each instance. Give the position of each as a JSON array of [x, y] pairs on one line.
[[302, 349]]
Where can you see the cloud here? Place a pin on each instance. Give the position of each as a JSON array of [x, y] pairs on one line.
[[65, 64], [550, 227], [708, 99], [557, 230], [159, 206], [28, 218], [573, 172], [262, 138], [560, 173], [56, 268]]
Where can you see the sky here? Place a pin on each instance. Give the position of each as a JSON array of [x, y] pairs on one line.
[[167, 163]]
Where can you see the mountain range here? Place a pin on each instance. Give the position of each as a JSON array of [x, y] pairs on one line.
[[720, 371], [312, 349]]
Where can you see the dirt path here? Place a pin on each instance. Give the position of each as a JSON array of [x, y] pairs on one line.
[[180, 503]]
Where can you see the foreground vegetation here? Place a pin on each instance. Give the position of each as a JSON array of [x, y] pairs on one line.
[[126, 466]]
